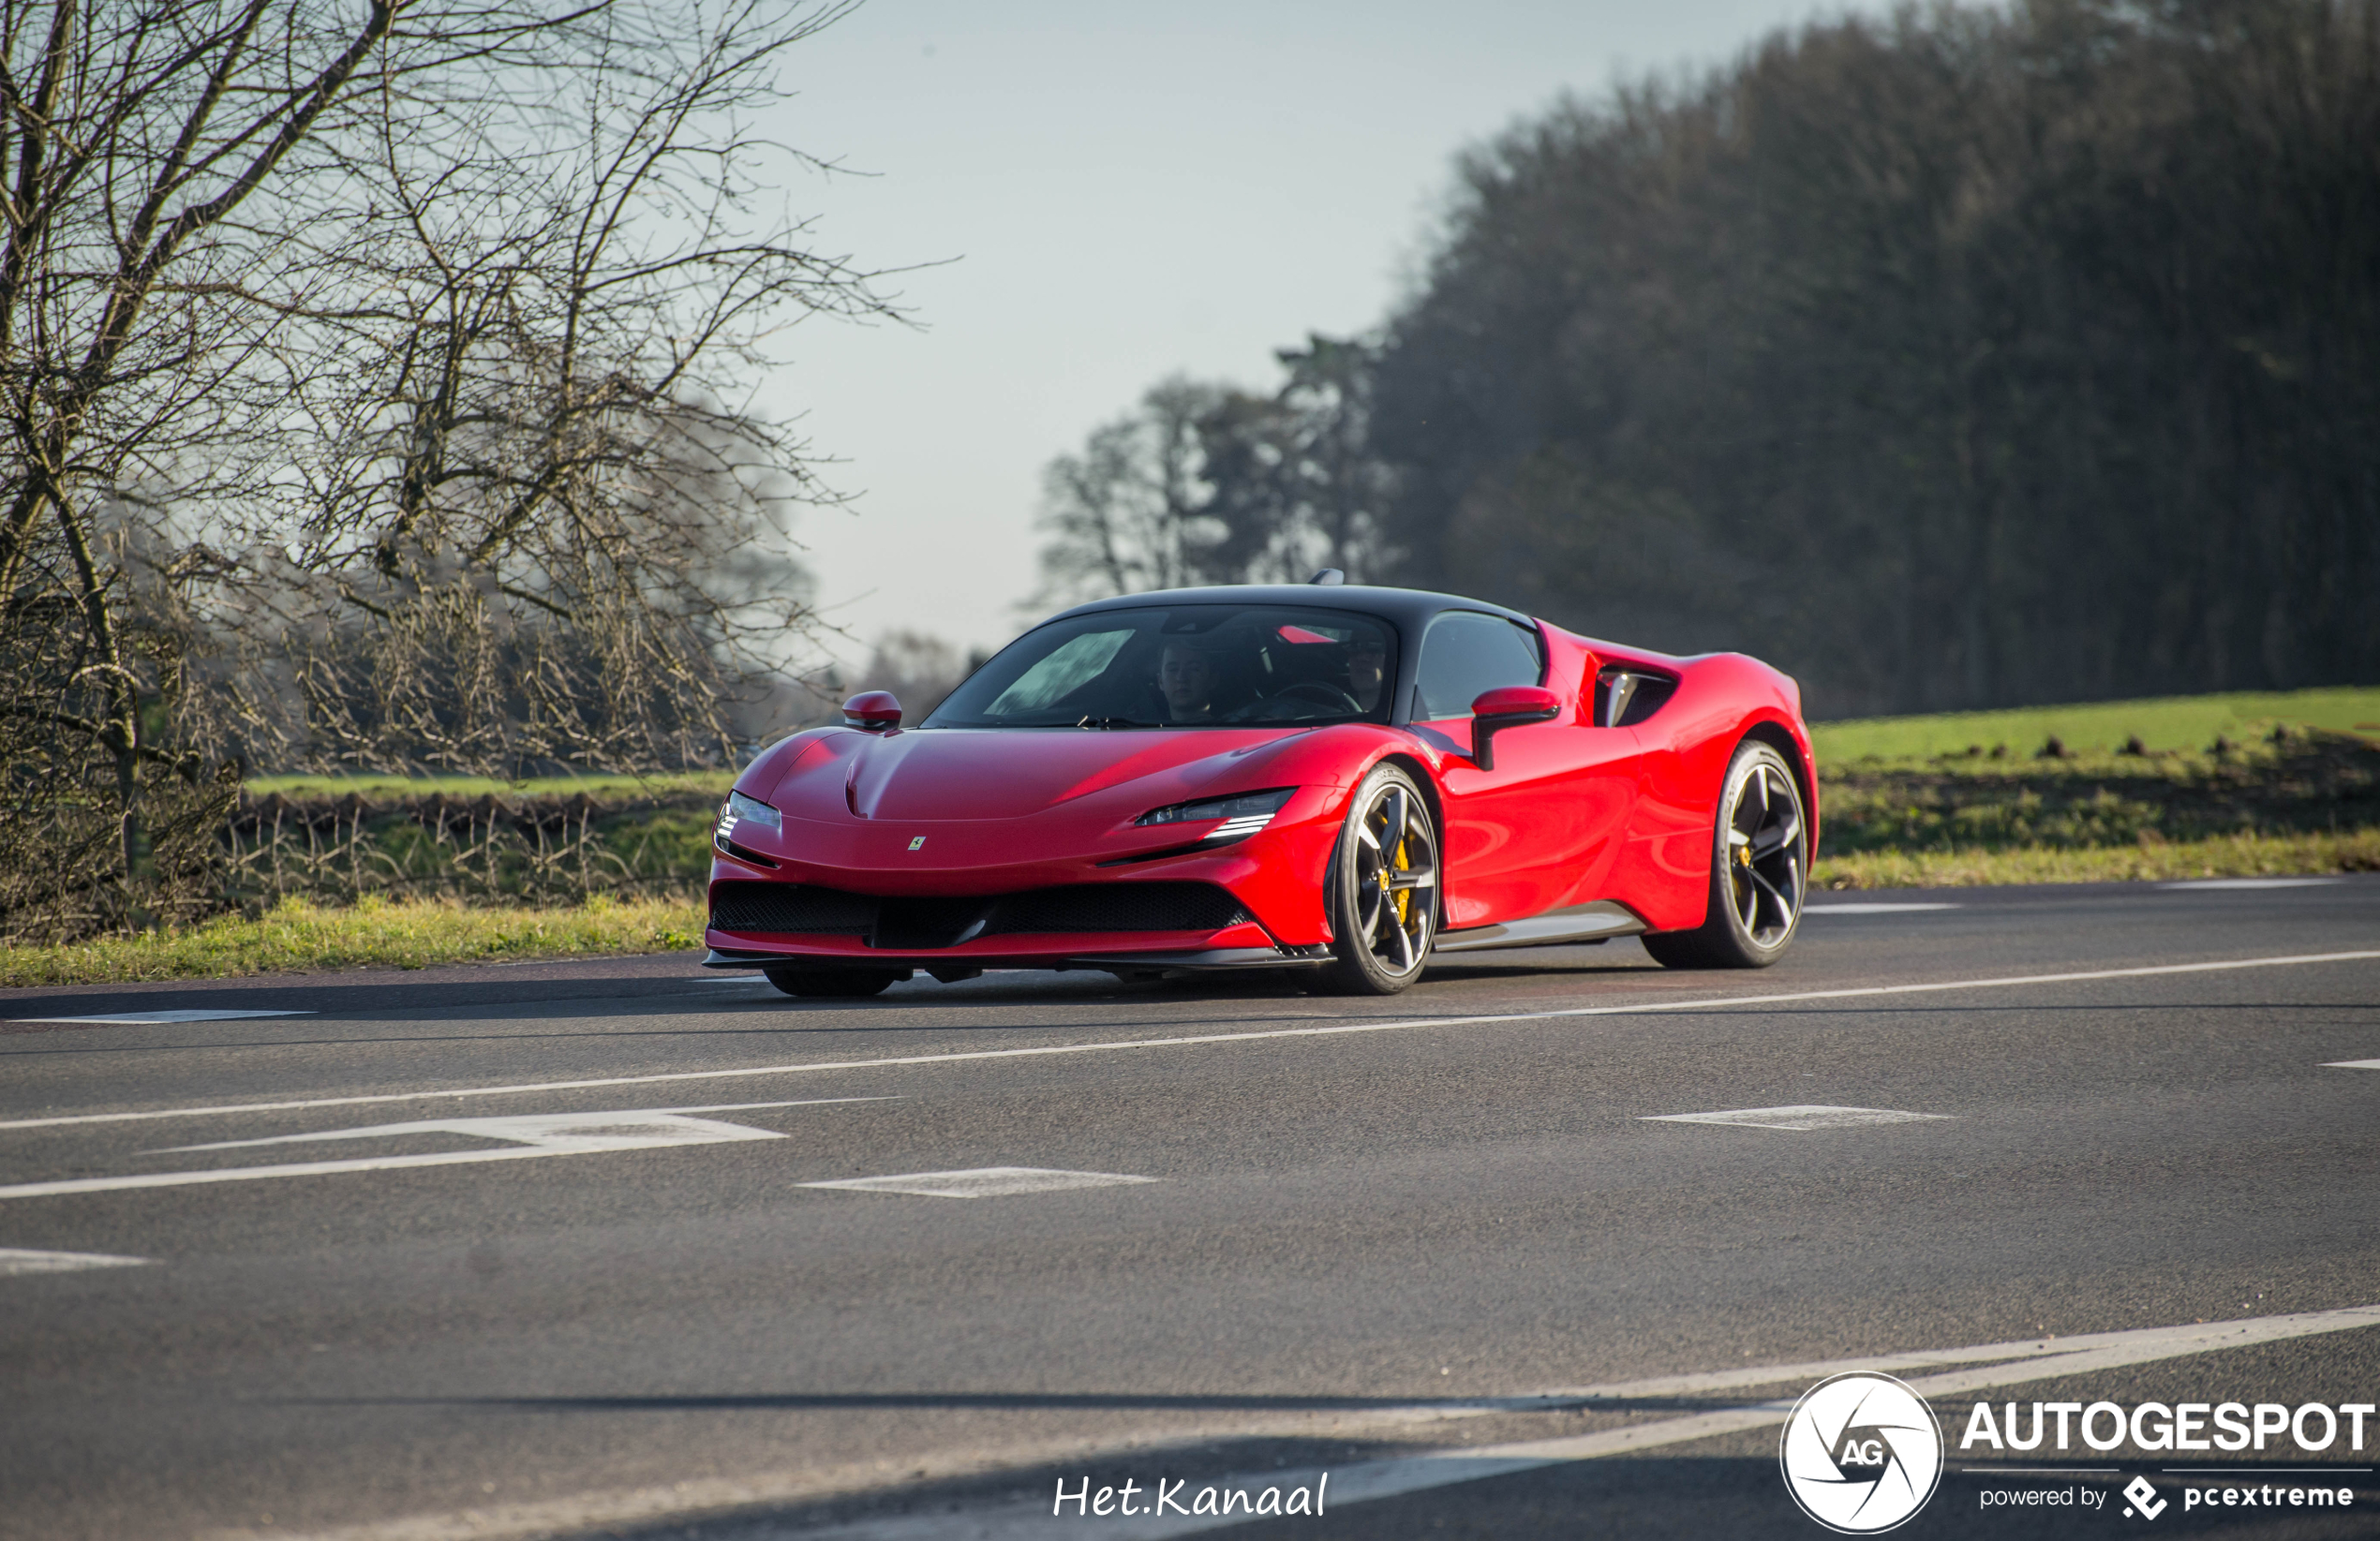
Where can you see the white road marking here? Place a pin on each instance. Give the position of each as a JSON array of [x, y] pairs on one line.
[[1799, 1116], [532, 1137], [1200, 1040], [982, 1182], [1870, 909], [143, 1018], [2248, 883], [16, 1260], [2352, 1064], [2037, 1360], [2016, 1362]]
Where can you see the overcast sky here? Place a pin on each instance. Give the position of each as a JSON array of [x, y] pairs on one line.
[[1118, 190]]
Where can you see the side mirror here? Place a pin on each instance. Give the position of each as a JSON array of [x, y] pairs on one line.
[[1507, 706], [873, 712]]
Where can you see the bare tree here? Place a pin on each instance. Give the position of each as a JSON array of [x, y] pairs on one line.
[[1209, 483], [548, 453], [375, 391], [1295, 480], [918, 668], [1129, 512]]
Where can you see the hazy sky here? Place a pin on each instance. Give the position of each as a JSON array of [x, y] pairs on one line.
[[1118, 190]]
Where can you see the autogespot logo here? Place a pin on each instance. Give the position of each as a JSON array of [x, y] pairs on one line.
[[1861, 1453]]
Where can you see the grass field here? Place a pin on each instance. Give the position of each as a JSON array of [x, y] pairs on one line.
[[2225, 856], [2170, 724]]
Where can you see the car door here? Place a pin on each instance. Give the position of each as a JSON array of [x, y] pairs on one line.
[[1540, 831]]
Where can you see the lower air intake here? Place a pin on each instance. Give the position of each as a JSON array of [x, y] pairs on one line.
[[1119, 906], [789, 906]]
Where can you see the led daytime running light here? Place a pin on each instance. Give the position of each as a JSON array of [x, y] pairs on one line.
[[1243, 813], [750, 810]]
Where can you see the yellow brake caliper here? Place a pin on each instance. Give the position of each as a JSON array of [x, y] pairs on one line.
[[1404, 896]]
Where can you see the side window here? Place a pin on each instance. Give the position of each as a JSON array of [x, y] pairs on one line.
[[1466, 653]]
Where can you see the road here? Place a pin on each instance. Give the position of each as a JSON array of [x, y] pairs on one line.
[[541, 1250]]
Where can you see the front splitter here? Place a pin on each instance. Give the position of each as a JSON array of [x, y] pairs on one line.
[[1211, 958]]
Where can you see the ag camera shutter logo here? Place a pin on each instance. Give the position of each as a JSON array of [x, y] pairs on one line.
[[1861, 1453]]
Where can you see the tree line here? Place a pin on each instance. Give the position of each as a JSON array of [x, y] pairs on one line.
[[1958, 358]]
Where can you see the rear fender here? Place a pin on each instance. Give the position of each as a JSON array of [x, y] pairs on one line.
[[1664, 870]]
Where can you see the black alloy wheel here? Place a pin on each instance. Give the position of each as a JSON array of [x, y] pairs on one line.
[[1760, 869], [1383, 894], [832, 984]]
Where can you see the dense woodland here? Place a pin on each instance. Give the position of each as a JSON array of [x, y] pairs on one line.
[[1961, 358]]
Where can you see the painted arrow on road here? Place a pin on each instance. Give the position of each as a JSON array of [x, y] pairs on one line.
[[527, 1137]]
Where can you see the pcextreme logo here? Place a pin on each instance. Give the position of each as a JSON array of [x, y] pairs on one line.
[[1861, 1453]]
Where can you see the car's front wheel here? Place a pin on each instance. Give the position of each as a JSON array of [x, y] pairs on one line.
[[1760, 866], [1383, 887], [833, 983]]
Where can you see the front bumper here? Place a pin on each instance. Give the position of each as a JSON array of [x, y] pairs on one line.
[[1275, 875]]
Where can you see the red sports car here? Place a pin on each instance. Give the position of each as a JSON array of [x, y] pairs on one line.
[[1330, 778]]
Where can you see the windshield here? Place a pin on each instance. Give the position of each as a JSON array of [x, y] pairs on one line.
[[1183, 666]]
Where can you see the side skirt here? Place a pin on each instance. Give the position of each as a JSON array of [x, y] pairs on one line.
[[1220, 958], [1597, 922]]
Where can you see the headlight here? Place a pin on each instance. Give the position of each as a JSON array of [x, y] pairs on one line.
[[1243, 813], [740, 806]]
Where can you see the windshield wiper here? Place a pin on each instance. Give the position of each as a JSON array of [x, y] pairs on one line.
[[1103, 723]]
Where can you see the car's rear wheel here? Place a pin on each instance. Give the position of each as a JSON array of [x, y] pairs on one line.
[[1759, 867], [1383, 888], [834, 984]]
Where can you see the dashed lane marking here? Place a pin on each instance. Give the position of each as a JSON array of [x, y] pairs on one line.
[[2248, 883], [151, 1019], [529, 1138], [1799, 1116], [17, 1260], [2352, 1064], [982, 1182], [1870, 909], [1405, 1024]]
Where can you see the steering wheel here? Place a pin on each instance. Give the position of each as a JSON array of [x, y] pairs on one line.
[[1313, 692]]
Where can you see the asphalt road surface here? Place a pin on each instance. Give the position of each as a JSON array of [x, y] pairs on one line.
[[558, 1249]]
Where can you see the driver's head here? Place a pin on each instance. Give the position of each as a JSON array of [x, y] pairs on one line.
[[1367, 666], [1186, 676]]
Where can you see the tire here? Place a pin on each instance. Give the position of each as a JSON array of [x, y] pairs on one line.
[[833, 983], [1759, 870], [1382, 890]]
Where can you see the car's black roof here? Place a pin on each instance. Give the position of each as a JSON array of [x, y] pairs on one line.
[[1407, 607]]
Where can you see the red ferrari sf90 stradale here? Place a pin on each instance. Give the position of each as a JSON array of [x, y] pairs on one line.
[[1330, 778]]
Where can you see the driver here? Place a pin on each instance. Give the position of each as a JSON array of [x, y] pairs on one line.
[[1186, 679], [1367, 667]]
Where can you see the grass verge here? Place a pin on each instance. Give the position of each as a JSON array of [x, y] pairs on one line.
[[298, 937], [712, 784], [2151, 861], [2166, 722]]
